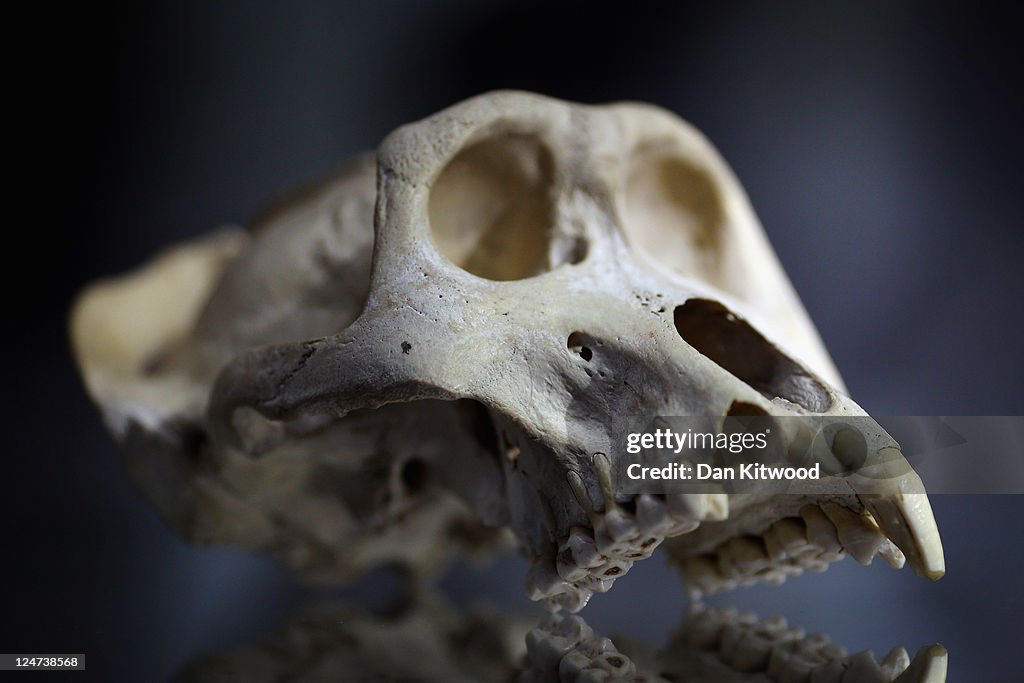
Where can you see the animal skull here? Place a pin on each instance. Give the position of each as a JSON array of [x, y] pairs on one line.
[[559, 265]]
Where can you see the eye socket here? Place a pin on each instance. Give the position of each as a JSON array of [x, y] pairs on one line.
[[728, 340], [673, 211], [490, 208]]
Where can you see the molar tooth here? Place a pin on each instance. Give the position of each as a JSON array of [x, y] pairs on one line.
[[572, 599], [748, 554], [573, 665], [791, 535], [652, 515], [569, 626], [620, 524], [727, 563], [583, 549], [601, 578], [545, 649], [745, 649], [702, 575], [543, 581], [814, 564], [786, 665], [859, 536], [829, 672], [704, 627], [773, 546], [686, 507], [567, 568], [820, 530]]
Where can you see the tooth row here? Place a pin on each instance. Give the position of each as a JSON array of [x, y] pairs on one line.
[[564, 648], [819, 536], [590, 559], [749, 645]]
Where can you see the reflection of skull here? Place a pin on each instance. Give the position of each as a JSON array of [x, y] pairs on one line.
[[560, 265]]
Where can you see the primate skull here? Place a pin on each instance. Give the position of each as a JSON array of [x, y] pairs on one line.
[[538, 269]]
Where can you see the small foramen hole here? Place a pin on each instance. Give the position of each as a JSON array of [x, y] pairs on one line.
[[714, 331], [577, 344], [415, 475], [490, 208]]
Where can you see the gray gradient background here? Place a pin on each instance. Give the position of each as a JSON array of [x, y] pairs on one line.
[[880, 145]]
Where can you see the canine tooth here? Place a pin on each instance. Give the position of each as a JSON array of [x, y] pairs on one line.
[[907, 519], [895, 663], [862, 668], [891, 491], [929, 666], [859, 536]]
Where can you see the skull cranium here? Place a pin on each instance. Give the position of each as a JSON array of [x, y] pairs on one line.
[[558, 265]]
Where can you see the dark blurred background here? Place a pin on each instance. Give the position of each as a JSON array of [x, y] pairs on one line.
[[880, 144]]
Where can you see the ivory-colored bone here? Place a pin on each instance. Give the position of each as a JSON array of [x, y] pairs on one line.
[[536, 270]]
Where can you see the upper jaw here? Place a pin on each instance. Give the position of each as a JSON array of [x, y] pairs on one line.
[[721, 541]]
